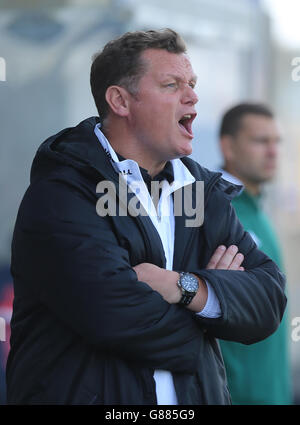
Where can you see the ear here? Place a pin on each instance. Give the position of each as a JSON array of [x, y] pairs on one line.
[[227, 147], [117, 97]]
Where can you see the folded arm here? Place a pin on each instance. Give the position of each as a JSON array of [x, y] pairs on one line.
[[251, 297], [72, 265], [252, 301], [165, 281]]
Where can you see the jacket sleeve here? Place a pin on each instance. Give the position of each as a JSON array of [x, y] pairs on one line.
[[69, 260], [252, 301]]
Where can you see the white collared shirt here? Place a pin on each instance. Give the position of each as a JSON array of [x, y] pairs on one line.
[[164, 221]]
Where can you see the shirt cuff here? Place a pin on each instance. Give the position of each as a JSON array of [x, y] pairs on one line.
[[212, 307]]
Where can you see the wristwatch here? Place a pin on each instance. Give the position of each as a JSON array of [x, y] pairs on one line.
[[189, 285]]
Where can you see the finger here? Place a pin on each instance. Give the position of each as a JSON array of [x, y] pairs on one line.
[[227, 258], [219, 252], [140, 270], [137, 271], [236, 262], [241, 269]]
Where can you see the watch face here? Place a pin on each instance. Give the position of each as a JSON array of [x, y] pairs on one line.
[[189, 283]]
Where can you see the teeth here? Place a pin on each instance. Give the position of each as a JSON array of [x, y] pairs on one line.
[[187, 116]]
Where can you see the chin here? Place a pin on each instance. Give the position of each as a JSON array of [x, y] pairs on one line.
[[181, 150], [269, 174], [187, 150], [182, 154]]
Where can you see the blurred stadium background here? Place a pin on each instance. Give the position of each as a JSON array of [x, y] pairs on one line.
[[240, 49]]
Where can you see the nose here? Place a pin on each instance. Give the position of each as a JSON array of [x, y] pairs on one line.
[[189, 96]]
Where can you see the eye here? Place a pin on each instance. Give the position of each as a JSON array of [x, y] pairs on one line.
[[260, 140], [172, 85]]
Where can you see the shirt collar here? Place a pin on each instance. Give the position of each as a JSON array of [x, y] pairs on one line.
[[166, 173], [175, 172]]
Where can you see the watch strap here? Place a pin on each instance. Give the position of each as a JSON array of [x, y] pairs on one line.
[[186, 299]]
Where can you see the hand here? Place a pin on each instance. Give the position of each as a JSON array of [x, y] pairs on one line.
[[160, 280], [165, 282], [226, 259]]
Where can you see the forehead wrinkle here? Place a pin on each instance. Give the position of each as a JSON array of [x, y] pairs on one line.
[[161, 65]]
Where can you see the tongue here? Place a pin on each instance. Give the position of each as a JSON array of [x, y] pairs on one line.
[[186, 125]]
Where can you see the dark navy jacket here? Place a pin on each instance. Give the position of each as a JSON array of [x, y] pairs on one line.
[[84, 329]]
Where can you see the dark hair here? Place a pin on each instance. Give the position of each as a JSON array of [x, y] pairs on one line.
[[231, 121], [119, 62]]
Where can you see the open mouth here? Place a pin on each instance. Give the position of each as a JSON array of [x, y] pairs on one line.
[[185, 123]]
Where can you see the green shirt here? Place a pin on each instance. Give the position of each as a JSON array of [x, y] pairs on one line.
[[259, 373]]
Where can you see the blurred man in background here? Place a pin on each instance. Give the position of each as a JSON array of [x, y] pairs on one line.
[[249, 137]]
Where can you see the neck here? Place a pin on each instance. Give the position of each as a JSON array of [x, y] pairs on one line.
[[252, 187], [124, 144]]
